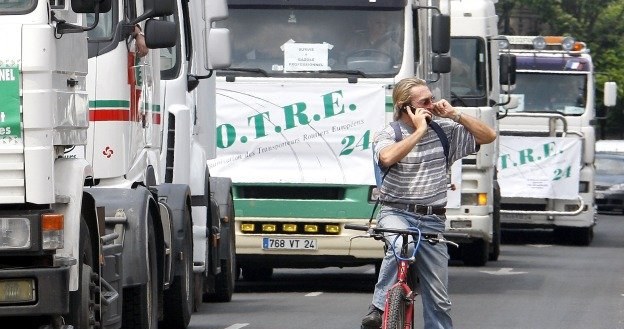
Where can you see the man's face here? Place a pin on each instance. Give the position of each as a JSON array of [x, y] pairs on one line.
[[421, 97]]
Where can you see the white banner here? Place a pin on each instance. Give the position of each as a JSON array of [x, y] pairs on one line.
[[312, 133], [539, 167]]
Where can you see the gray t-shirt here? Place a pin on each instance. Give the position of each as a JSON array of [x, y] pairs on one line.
[[420, 177]]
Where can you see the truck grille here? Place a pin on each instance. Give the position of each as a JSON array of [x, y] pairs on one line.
[[12, 188]]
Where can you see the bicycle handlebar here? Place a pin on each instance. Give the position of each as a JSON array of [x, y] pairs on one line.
[[431, 237]]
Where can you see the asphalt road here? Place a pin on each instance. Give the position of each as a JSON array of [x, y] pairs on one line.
[[534, 285]]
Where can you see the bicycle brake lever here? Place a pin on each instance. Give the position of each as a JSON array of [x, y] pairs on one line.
[[442, 240], [450, 242], [358, 236]]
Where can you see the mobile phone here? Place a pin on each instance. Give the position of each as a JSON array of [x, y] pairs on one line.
[[406, 107]]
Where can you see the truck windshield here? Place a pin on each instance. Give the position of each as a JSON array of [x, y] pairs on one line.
[[311, 41], [15, 6], [468, 67], [539, 92]]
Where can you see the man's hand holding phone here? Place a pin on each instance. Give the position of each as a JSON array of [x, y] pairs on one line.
[[419, 116]]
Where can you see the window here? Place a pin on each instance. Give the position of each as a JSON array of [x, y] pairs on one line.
[[333, 40]]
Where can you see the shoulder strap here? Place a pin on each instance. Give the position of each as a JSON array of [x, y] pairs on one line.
[[442, 136], [398, 135], [379, 178], [381, 172]]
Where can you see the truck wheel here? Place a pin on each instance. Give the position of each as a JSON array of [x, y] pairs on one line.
[[496, 228], [225, 281], [83, 301], [257, 273], [580, 236], [475, 253], [583, 236], [140, 304], [179, 297], [198, 290]]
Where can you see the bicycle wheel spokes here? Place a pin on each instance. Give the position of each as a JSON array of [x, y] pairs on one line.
[[397, 306]]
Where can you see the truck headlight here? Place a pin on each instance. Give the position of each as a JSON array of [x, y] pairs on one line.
[[14, 233], [474, 199]]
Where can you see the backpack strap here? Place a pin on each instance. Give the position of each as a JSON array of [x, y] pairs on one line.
[[379, 170], [398, 135], [379, 178], [442, 136]]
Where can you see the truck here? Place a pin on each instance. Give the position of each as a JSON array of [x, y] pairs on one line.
[[101, 227], [476, 88], [545, 165], [297, 111]]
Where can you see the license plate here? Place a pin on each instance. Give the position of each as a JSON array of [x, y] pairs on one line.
[[517, 217], [289, 243]]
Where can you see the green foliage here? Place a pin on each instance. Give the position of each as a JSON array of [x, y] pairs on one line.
[[598, 23]]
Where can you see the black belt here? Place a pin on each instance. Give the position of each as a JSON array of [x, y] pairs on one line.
[[417, 208]]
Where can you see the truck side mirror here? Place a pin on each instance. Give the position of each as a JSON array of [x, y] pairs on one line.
[[88, 6], [440, 33], [155, 8], [219, 49], [160, 34], [610, 94], [441, 64], [507, 74]]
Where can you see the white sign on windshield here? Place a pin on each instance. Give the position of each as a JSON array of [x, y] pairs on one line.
[[306, 56]]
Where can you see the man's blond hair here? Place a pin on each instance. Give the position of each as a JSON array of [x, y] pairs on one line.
[[401, 95]]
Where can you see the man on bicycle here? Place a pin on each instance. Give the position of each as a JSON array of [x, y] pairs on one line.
[[413, 192]]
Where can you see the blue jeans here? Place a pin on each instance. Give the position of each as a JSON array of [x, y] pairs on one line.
[[431, 266]]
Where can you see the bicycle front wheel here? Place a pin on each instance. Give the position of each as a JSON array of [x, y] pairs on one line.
[[397, 309]]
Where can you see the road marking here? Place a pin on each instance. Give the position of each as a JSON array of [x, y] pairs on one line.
[[237, 326], [541, 245], [314, 294], [503, 271]]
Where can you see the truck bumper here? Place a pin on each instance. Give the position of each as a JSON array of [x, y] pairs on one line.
[[50, 293], [329, 250], [476, 227], [520, 221]]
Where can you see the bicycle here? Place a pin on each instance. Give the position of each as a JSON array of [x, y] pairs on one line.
[[399, 306]]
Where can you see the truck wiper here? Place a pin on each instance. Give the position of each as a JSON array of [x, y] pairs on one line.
[[454, 96], [348, 72], [246, 69]]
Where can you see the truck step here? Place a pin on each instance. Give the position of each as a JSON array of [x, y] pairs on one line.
[[108, 293]]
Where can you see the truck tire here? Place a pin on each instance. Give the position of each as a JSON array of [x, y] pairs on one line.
[[583, 236], [82, 314], [496, 227], [226, 280], [580, 236], [179, 298], [475, 253], [257, 273], [140, 304], [198, 290]]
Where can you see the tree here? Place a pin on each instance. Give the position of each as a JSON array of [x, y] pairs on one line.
[[598, 23]]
